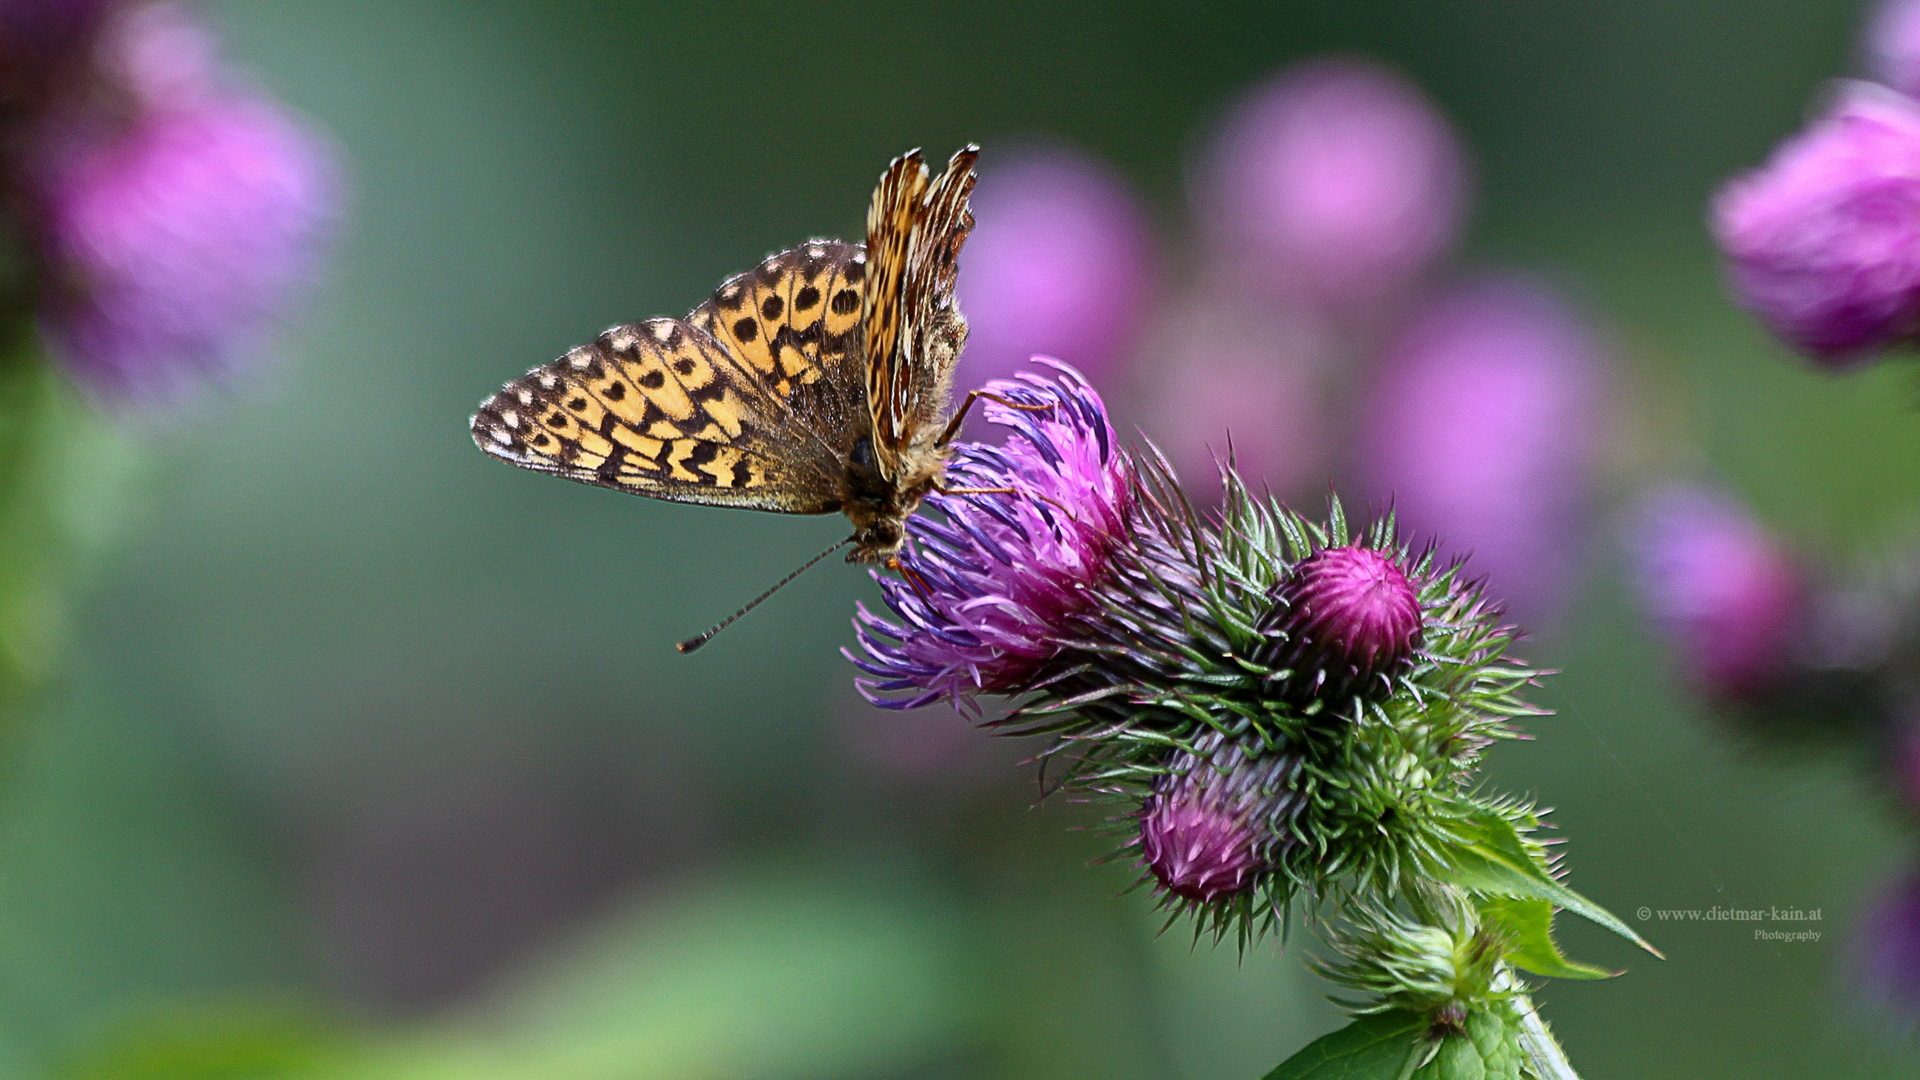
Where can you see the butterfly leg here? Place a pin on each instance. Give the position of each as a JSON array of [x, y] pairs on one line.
[[912, 576], [953, 425], [974, 491]]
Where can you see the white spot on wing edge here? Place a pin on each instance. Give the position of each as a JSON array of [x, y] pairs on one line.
[[662, 331]]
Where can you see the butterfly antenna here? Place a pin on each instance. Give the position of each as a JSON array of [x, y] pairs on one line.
[[693, 643]]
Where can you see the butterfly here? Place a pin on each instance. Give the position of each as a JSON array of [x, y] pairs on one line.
[[820, 381]]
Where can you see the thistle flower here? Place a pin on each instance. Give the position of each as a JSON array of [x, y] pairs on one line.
[[1823, 242], [1337, 175], [1482, 430], [1720, 588], [985, 592], [1060, 264], [175, 236], [1156, 675], [1211, 822]]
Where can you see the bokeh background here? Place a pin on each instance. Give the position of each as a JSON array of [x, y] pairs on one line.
[[373, 756]]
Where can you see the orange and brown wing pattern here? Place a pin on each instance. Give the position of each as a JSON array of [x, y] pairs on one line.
[[896, 209], [659, 408], [795, 322], [915, 228]]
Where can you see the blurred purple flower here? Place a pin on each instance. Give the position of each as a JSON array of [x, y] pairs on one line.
[[1061, 263], [162, 56], [982, 594], [1233, 373], [1886, 951], [1893, 45], [177, 244], [1338, 175], [1483, 430], [1823, 242], [1720, 588]]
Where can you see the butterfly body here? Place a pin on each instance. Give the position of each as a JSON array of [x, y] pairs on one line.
[[818, 382]]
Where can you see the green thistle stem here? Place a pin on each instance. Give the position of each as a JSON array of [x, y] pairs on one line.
[[1543, 1051]]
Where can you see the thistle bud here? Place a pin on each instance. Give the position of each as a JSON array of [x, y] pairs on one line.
[[1207, 830], [1345, 619]]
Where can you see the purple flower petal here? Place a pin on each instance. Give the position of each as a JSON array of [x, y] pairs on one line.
[[983, 592]]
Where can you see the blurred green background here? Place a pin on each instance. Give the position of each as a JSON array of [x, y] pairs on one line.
[[376, 759]]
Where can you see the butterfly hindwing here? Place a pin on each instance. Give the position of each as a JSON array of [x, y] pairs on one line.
[[659, 408]]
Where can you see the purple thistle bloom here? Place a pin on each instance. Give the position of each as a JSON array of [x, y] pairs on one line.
[[1823, 242], [982, 595], [177, 244], [1719, 587], [1060, 264], [1350, 616], [1893, 45], [1482, 431], [1338, 177]]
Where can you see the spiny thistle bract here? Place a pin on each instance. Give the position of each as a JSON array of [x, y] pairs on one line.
[[1286, 710]]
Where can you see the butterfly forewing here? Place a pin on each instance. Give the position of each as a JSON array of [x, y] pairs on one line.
[[659, 408], [795, 321]]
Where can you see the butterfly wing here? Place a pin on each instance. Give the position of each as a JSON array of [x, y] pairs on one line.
[[657, 408], [913, 329], [794, 322]]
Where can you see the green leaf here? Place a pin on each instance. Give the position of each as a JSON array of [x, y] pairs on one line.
[[1488, 1049], [1383, 1046], [1496, 862], [1526, 926]]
